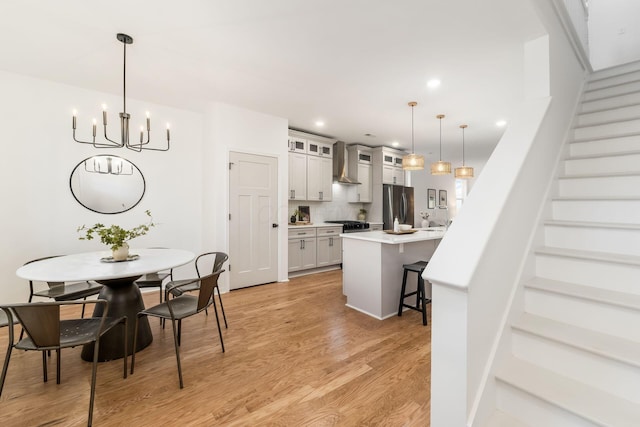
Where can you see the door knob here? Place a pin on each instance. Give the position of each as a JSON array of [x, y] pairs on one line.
[[274, 225]]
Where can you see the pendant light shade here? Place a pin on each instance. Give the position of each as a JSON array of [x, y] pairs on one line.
[[413, 161], [464, 172], [440, 167]]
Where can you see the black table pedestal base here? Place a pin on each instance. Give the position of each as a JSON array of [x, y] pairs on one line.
[[124, 300]]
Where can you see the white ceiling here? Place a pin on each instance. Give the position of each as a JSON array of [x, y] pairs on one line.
[[352, 63]]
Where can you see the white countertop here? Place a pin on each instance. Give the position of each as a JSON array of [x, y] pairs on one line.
[[396, 239], [315, 225]]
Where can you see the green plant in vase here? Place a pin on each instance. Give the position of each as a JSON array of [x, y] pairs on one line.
[[115, 236]]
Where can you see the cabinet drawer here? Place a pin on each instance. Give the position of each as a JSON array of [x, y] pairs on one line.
[[295, 233], [328, 231]]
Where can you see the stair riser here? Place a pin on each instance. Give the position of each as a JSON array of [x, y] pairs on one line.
[[605, 146], [613, 102], [612, 91], [612, 164], [617, 114], [611, 376], [609, 240], [615, 71], [612, 211], [614, 320], [609, 186], [534, 411], [613, 80], [612, 276], [606, 130]]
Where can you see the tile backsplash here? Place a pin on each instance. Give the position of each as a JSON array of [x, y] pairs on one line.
[[337, 209]]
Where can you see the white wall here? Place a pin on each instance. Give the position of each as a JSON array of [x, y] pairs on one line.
[[614, 32], [40, 215], [230, 128]]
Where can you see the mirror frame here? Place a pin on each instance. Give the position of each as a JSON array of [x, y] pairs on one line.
[[82, 164]]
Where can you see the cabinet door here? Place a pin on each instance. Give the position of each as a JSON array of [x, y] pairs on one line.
[[308, 253], [364, 189], [335, 249], [295, 254], [297, 176], [388, 174], [323, 254], [319, 178], [398, 176]]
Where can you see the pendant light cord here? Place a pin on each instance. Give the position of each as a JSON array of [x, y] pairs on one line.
[[440, 118], [413, 151], [463, 145], [124, 80]]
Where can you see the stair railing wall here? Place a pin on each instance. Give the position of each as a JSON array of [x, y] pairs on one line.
[[484, 256]]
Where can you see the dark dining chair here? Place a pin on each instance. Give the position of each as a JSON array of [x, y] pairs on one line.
[[181, 307], [46, 331], [177, 287], [154, 280], [62, 291]]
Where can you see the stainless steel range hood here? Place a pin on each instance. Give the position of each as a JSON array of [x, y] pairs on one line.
[[340, 172]]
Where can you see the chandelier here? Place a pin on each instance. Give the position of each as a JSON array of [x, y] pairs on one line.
[[124, 118], [413, 161], [440, 167], [464, 172], [108, 165]]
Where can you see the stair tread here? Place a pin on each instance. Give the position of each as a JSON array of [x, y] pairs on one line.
[[604, 137], [596, 199], [587, 402], [608, 122], [617, 107], [622, 299], [604, 155], [611, 85], [592, 224], [606, 345], [599, 175], [502, 419], [620, 95], [590, 255]]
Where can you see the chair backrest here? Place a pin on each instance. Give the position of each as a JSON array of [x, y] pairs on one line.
[[51, 284], [207, 285], [41, 321], [219, 258]]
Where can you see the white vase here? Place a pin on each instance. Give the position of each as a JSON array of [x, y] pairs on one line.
[[362, 217], [425, 223], [121, 253]]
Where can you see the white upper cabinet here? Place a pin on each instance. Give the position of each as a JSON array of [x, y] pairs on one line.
[[319, 178], [360, 159], [390, 162], [297, 176], [310, 167]]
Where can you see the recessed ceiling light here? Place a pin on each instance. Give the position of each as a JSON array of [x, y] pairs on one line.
[[370, 135], [501, 123], [319, 123], [395, 143], [433, 83]]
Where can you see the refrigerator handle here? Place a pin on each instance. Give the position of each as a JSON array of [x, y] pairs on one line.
[[403, 212], [390, 201]]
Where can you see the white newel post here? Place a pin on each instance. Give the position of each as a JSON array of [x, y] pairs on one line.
[[449, 362]]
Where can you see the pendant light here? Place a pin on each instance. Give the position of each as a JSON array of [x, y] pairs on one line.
[[440, 167], [413, 161], [464, 172], [125, 118]]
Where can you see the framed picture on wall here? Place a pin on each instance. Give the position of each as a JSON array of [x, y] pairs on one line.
[[304, 213], [431, 198], [442, 198]]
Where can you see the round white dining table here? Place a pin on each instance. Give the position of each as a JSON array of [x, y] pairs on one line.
[[119, 288]]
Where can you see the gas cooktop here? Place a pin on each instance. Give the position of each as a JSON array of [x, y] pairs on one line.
[[351, 226]]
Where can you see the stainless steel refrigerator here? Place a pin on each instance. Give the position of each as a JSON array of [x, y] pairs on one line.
[[397, 201]]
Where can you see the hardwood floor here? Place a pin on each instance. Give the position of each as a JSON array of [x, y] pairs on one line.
[[295, 356]]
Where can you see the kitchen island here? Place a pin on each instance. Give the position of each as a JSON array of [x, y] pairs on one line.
[[372, 267]]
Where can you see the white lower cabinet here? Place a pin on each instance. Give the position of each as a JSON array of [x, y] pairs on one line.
[[314, 247]]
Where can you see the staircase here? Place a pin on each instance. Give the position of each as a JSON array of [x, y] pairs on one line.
[[575, 352]]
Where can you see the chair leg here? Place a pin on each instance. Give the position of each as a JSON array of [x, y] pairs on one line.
[[402, 290], [215, 310], [83, 305], [5, 366], [222, 308], [44, 366], [176, 344], [57, 366], [423, 299], [179, 331], [135, 338], [93, 380], [126, 340]]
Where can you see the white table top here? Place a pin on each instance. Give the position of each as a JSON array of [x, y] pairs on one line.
[[87, 265], [395, 239]]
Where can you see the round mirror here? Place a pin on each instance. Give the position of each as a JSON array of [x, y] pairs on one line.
[[107, 184]]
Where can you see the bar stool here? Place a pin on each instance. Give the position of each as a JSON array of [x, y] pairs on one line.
[[421, 300]]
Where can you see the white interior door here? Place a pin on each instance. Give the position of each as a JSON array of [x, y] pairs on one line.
[[253, 239]]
